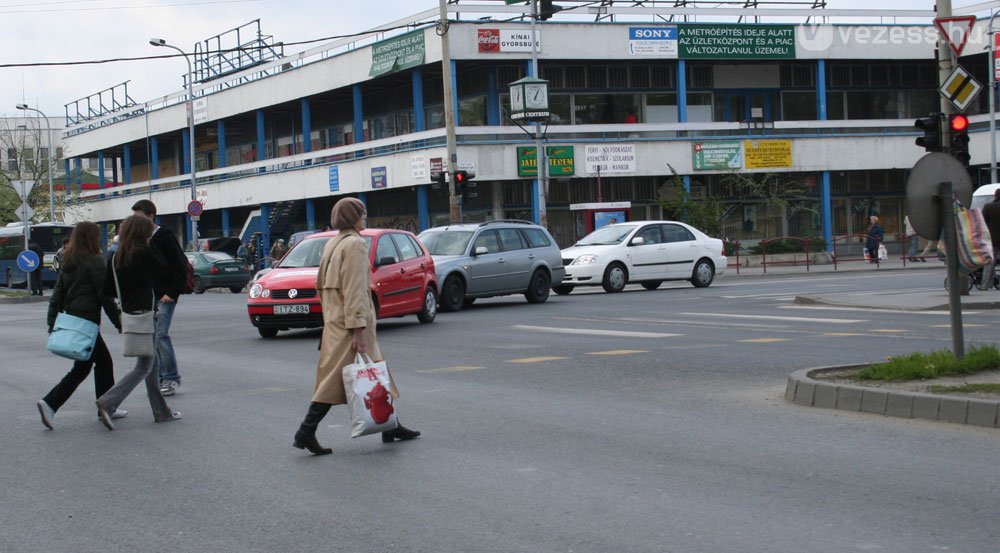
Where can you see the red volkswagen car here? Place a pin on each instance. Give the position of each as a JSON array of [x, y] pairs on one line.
[[402, 282]]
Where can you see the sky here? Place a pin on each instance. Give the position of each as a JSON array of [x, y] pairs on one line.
[[70, 30]]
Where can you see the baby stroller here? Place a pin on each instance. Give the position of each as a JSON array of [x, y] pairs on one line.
[[976, 279]]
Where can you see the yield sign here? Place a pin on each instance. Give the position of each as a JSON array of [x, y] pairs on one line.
[[956, 30]]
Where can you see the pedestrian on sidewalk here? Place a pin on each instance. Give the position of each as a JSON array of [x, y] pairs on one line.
[[349, 318], [168, 284], [874, 237], [35, 276], [135, 267], [912, 240], [991, 214], [79, 291]]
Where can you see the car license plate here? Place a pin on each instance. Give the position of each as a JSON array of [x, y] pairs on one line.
[[291, 309], [232, 269]]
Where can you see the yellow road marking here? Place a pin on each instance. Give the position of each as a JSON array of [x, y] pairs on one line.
[[536, 359], [460, 368], [889, 330], [763, 340], [618, 352], [839, 334], [963, 324]]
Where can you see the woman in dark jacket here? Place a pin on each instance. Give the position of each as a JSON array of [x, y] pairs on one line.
[[135, 265], [874, 236], [79, 291]]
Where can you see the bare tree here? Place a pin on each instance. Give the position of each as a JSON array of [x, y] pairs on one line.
[[21, 139], [776, 194]]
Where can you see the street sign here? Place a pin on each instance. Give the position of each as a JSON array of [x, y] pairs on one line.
[[195, 208], [960, 88], [996, 59], [956, 30], [923, 186], [27, 261], [25, 212], [23, 188]]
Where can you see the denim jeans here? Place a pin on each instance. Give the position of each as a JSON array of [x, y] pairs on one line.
[[165, 357], [912, 251]]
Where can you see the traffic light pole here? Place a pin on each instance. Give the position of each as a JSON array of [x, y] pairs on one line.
[[454, 203], [991, 77], [542, 164], [946, 63]]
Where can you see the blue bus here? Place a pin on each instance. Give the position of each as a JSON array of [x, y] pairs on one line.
[[49, 237]]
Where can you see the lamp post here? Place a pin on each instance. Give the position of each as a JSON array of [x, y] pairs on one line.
[[48, 161], [159, 42]]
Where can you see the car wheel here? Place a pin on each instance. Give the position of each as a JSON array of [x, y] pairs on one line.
[[430, 306], [468, 301], [452, 294], [267, 332], [236, 289], [966, 284], [199, 286], [652, 285], [562, 289], [703, 274], [615, 278], [538, 287]]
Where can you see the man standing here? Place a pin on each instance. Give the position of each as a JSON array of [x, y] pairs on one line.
[[35, 277], [991, 214], [168, 287]]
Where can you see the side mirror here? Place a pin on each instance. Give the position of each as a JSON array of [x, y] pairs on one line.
[[481, 250], [637, 241], [389, 260]]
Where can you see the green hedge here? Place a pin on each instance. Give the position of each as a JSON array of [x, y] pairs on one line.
[[816, 244]]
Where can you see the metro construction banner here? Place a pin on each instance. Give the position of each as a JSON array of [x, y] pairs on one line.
[[736, 41], [397, 53]]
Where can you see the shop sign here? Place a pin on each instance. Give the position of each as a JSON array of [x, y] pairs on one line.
[[767, 154], [561, 161], [494, 41], [660, 42], [717, 155], [418, 167], [380, 178], [736, 41], [610, 158], [397, 53], [334, 178]]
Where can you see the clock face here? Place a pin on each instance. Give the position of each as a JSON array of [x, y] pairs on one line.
[[536, 96], [517, 99]]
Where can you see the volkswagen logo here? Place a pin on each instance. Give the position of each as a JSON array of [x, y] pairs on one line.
[[293, 293]]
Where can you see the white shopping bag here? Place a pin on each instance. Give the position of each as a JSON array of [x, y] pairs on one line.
[[883, 254], [368, 397]]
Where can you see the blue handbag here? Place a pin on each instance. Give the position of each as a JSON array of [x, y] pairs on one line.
[[73, 337]]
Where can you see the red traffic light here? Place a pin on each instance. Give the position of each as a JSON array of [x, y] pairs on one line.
[[959, 123], [460, 176]]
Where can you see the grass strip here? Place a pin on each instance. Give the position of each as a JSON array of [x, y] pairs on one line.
[[917, 366], [965, 389]]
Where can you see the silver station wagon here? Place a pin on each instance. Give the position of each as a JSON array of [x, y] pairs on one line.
[[494, 258]]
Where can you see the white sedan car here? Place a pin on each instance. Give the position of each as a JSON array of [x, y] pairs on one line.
[[646, 252]]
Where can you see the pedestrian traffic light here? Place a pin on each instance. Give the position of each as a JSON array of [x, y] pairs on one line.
[[931, 125], [462, 179], [959, 126]]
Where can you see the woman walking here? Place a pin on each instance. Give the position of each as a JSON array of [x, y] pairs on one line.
[[134, 265], [79, 292], [874, 236], [348, 322]]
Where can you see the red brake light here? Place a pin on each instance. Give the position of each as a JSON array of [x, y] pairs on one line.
[[214, 270], [959, 123]]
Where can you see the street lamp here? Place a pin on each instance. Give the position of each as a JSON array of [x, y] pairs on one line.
[[48, 166], [159, 42]]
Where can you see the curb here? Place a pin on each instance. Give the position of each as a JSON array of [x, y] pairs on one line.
[[24, 299], [813, 300], [803, 390]]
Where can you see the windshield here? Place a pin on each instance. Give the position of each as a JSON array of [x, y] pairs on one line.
[[606, 236], [446, 242], [307, 252]]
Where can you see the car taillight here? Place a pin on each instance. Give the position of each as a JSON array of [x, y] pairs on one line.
[[213, 270]]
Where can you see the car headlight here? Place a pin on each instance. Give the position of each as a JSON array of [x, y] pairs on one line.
[[585, 259], [266, 293], [255, 291]]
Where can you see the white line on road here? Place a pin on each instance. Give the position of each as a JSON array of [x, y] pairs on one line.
[[871, 310], [596, 332], [777, 318]]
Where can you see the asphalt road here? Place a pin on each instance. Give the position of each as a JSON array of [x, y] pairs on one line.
[[642, 421]]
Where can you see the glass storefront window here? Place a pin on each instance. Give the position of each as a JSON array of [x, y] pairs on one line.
[[700, 107], [472, 111], [798, 106], [593, 109], [661, 108]]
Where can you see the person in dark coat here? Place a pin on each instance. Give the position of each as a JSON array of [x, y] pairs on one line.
[[135, 267], [35, 277], [79, 291], [874, 237]]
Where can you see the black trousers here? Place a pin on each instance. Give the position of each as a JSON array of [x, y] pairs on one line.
[[35, 281], [104, 376]]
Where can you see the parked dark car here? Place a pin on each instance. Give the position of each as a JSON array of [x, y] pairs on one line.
[[218, 270]]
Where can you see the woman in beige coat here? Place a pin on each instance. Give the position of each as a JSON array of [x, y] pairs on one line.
[[348, 322]]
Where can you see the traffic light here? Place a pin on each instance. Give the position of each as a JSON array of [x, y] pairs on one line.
[[462, 180], [931, 125], [959, 126], [439, 180], [546, 9]]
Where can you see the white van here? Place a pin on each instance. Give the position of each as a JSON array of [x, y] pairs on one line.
[[983, 195]]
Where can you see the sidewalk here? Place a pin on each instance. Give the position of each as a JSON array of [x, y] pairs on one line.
[[891, 264]]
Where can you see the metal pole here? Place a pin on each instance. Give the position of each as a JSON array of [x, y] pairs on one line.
[[454, 203], [50, 157], [190, 115], [543, 169], [955, 285], [992, 98]]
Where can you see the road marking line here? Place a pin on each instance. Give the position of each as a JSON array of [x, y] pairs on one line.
[[763, 340], [871, 310], [841, 334], [777, 318], [460, 368], [619, 352], [963, 324], [888, 330], [536, 359], [596, 332], [764, 295]]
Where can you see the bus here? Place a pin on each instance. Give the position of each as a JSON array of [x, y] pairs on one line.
[[49, 237]]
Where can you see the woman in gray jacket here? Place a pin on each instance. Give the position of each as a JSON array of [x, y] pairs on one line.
[[79, 291]]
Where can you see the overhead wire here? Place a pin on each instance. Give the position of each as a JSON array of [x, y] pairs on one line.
[[4, 10]]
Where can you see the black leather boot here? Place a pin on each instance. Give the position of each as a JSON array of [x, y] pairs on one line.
[[305, 438], [401, 433]]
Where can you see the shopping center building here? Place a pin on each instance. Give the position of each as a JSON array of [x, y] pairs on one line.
[[821, 102]]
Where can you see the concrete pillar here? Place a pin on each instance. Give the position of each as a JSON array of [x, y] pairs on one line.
[[261, 144], [220, 127], [154, 161], [492, 98], [225, 221], [423, 213], [821, 90], [827, 210], [306, 126], [419, 119], [359, 114], [682, 97], [127, 165], [496, 189], [265, 229], [310, 214], [100, 170]]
